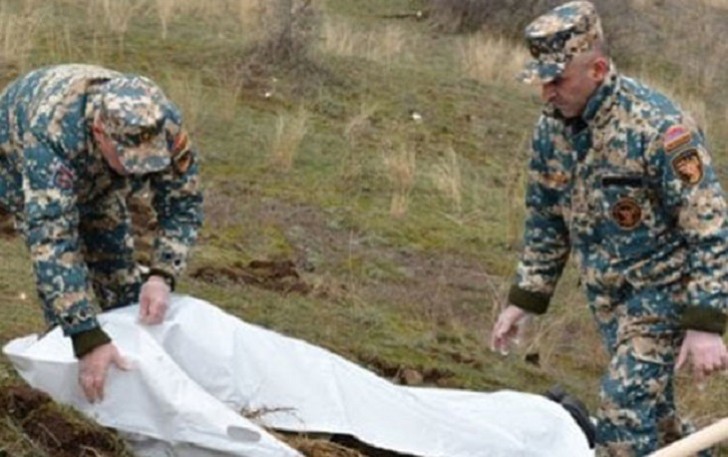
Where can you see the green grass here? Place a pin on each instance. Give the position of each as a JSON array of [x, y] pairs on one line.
[[416, 291]]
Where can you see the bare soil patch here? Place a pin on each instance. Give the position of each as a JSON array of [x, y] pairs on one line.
[[52, 429]]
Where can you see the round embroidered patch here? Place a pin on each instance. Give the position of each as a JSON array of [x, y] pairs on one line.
[[627, 213], [688, 167]]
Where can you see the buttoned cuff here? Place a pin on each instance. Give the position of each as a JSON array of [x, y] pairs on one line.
[[533, 302], [88, 340], [704, 319]]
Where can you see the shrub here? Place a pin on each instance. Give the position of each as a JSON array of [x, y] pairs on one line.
[[291, 28]]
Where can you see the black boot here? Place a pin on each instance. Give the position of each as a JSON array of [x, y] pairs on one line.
[[577, 410]]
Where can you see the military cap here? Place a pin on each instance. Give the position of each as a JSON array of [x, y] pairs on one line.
[[132, 113], [556, 37]]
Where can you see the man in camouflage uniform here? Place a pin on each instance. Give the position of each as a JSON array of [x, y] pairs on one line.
[[75, 142], [621, 177]]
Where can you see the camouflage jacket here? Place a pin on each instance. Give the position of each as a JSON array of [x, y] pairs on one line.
[[629, 189], [50, 170]]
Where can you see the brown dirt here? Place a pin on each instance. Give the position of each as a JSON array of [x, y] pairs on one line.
[[406, 375], [54, 430], [280, 276]]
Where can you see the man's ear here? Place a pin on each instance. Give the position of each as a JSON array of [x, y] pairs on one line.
[[599, 69]]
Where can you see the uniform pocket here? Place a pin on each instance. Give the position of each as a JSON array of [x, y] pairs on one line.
[[656, 349]]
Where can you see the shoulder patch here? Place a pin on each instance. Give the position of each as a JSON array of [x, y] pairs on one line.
[[688, 167], [676, 136]]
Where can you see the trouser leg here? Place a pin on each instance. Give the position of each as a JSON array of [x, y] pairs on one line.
[[634, 404], [642, 336]]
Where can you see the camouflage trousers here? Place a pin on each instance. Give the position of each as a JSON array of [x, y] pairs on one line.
[[641, 332]]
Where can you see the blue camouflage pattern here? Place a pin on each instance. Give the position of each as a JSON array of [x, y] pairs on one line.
[[554, 38], [628, 189], [132, 110], [71, 207]]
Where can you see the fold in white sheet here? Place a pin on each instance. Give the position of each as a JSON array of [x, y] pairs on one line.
[[197, 369]]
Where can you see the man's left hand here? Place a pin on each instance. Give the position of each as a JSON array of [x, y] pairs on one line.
[[153, 300], [707, 353]]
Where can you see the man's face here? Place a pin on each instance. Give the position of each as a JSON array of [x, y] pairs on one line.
[[108, 148], [570, 91]]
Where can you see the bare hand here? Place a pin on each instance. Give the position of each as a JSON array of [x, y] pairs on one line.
[[93, 367], [510, 324], [153, 301], [707, 353]]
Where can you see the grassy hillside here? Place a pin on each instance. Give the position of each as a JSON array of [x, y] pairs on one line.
[[363, 173]]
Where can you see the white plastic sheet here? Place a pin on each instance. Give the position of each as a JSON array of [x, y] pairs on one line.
[[194, 371]]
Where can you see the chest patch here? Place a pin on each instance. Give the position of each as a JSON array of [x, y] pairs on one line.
[[688, 167], [627, 213], [676, 136]]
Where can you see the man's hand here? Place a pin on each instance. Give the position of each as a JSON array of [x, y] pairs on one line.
[[153, 300], [510, 324], [707, 353], [93, 367]]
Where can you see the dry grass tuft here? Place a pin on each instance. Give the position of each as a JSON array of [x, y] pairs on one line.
[[290, 131], [447, 179], [165, 11], [187, 92], [492, 59], [343, 38], [400, 165]]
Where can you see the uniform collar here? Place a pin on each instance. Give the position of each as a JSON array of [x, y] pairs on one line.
[[599, 105]]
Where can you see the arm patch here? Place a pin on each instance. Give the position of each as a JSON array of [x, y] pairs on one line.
[[676, 136]]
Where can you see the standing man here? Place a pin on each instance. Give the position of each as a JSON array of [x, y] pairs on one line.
[[75, 142], [621, 177]]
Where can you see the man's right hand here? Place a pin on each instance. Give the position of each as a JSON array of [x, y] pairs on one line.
[[93, 368], [509, 325]]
